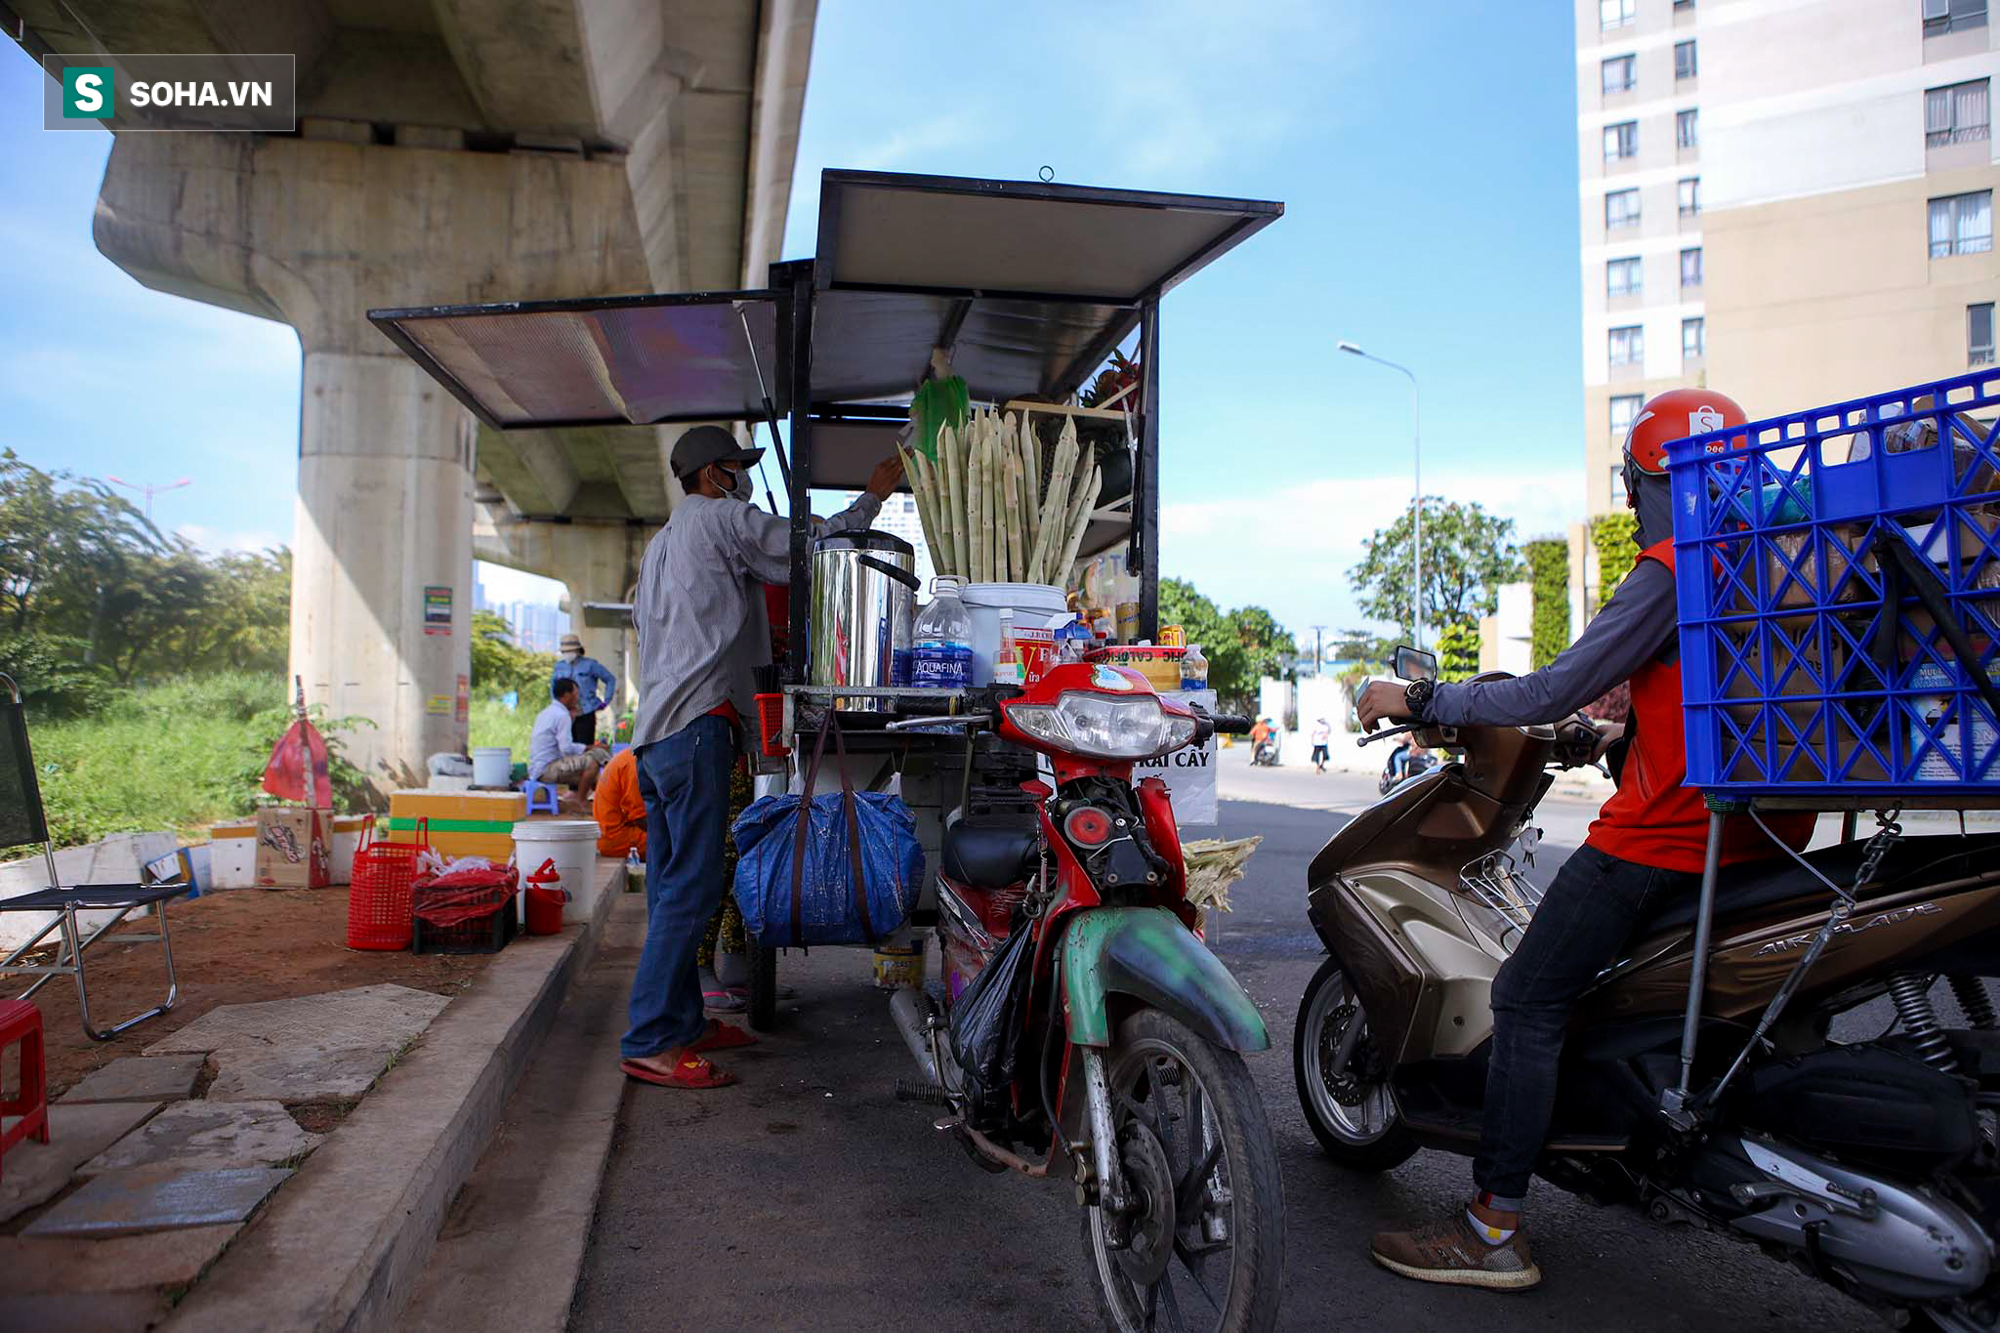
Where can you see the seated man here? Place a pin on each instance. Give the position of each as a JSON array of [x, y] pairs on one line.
[[552, 756], [621, 814]]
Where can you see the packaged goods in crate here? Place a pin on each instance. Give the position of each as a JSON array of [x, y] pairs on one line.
[[1839, 586]]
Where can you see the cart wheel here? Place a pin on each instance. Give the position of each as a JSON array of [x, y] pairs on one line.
[[763, 988]]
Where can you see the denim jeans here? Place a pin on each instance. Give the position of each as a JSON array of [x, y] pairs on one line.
[[1589, 913], [684, 781]]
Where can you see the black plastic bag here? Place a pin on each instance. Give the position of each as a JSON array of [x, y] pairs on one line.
[[986, 1021]]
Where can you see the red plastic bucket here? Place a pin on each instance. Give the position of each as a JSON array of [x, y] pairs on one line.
[[545, 900]]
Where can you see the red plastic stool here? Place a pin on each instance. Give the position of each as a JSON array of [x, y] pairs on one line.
[[21, 1025]]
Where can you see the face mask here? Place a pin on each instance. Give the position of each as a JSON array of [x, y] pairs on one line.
[[740, 486]]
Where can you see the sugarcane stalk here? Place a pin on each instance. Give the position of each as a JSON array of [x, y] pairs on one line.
[[1024, 437], [1017, 560], [1078, 523], [953, 495], [996, 548], [918, 468], [1053, 507]]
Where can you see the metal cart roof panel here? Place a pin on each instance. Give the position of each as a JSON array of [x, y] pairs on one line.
[[615, 361], [992, 237]]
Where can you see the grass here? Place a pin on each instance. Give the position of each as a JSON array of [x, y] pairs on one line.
[[178, 755], [493, 723]]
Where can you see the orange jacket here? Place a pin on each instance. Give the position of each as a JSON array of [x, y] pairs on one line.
[[621, 815]]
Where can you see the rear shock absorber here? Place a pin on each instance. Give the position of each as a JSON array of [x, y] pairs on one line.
[[1972, 997], [1911, 994]]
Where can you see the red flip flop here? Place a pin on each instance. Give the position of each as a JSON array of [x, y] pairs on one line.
[[721, 1036], [692, 1072]]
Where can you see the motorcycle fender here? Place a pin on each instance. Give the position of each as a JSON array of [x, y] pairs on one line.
[[1146, 953]]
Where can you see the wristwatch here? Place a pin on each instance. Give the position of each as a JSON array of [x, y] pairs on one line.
[[1417, 698]]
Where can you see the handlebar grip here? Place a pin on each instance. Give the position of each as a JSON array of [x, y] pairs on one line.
[[1231, 724]]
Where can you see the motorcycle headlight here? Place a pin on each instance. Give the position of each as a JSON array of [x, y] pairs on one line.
[[1136, 727]]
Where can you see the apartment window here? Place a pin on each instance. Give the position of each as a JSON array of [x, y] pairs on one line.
[[1628, 345], [1943, 16], [1621, 209], [1621, 141], [1618, 74], [1690, 196], [1687, 129], [1616, 14], [1621, 277], [1694, 339], [1681, 6], [1683, 60], [1979, 334], [1624, 411], [1962, 224], [1956, 114], [1691, 267], [1617, 485]]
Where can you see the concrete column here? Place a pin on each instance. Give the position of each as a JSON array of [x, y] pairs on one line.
[[384, 518], [314, 231]]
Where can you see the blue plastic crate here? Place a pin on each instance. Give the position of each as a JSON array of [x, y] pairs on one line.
[[1811, 661]]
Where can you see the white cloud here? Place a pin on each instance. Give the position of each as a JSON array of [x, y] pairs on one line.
[[1289, 548], [216, 541], [915, 143]]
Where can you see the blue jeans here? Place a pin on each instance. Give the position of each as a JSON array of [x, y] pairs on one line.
[[684, 781], [1587, 916]]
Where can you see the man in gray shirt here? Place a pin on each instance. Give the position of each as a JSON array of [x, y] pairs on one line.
[[700, 613]]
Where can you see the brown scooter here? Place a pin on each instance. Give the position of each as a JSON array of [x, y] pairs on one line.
[[1871, 1165]]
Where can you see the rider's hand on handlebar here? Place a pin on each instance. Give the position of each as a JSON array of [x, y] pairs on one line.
[[1580, 740], [1383, 701]]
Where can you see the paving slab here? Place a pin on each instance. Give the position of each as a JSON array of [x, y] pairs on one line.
[[139, 1078], [37, 1172], [121, 1203], [308, 1048], [92, 1312], [208, 1136], [42, 1265]]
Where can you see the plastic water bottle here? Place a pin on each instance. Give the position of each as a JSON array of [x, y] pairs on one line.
[[1074, 640], [941, 658], [635, 872], [1007, 662], [1194, 669]]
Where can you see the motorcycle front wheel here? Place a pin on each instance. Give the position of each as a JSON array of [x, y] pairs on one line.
[[1204, 1247], [1349, 1108]]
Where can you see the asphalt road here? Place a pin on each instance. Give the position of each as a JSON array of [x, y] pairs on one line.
[[808, 1198]]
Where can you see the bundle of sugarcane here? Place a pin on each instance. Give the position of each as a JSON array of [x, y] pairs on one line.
[[1212, 866], [991, 512]]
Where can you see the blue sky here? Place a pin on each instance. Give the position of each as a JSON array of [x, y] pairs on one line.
[[1426, 156]]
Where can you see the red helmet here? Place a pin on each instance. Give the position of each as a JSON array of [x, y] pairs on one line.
[[1675, 415]]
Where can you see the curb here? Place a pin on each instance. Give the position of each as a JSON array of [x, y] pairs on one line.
[[342, 1244]]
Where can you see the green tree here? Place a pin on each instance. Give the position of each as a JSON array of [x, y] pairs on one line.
[[1616, 537], [61, 537], [499, 666], [1241, 646], [1548, 573], [1467, 554]]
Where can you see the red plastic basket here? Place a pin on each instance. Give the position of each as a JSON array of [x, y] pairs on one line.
[[378, 896]]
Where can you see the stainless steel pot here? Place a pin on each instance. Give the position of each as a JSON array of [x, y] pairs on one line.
[[864, 591]]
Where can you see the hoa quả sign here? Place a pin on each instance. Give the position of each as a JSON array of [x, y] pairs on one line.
[[256, 94]]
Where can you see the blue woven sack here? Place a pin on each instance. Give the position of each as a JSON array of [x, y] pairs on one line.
[[841, 868]]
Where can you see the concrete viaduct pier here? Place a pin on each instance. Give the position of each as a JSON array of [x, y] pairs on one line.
[[450, 151]]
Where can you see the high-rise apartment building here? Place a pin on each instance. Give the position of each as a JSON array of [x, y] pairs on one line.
[[1789, 201]]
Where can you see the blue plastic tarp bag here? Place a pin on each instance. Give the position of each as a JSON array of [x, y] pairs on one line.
[[841, 868]]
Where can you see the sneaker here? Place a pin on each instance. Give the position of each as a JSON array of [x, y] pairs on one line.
[[1448, 1251]]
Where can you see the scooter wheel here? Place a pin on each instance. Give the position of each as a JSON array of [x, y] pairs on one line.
[[1356, 1122]]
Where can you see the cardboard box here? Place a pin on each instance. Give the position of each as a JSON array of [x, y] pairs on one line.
[[292, 847]]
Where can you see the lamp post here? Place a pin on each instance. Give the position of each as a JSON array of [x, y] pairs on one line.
[[1417, 506], [149, 491]]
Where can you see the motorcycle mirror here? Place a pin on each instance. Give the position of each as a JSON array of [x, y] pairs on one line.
[[1415, 663]]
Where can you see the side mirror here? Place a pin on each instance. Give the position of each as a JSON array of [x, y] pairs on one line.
[[1415, 664]]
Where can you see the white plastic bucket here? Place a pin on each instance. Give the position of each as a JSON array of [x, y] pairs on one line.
[[572, 845], [1033, 604], [492, 766]]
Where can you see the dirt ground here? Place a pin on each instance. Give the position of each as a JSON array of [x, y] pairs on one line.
[[229, 948]]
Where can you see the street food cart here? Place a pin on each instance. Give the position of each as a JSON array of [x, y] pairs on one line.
[[1024, 289]]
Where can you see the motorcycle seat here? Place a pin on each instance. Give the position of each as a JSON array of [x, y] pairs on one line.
[[1757, 885], [984, 852]]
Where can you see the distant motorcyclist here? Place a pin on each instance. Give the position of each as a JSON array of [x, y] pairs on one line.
[[1645, 849]]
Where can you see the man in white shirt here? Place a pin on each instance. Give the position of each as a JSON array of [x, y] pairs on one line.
[[552, 756]]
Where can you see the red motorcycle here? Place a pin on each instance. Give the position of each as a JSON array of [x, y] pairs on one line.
[[1087, 1030]]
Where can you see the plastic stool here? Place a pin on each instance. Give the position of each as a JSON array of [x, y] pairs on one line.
[[21, 1025], [542, 798]]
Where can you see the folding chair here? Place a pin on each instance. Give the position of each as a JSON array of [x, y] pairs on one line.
[[22, 823]]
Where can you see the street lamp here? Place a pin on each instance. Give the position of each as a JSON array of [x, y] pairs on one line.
[[149, 491], [1417, 508]]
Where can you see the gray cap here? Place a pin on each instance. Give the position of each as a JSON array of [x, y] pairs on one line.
[[702, 445]]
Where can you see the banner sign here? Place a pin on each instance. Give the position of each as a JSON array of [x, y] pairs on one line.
[[1190, 772], [152, 93]]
